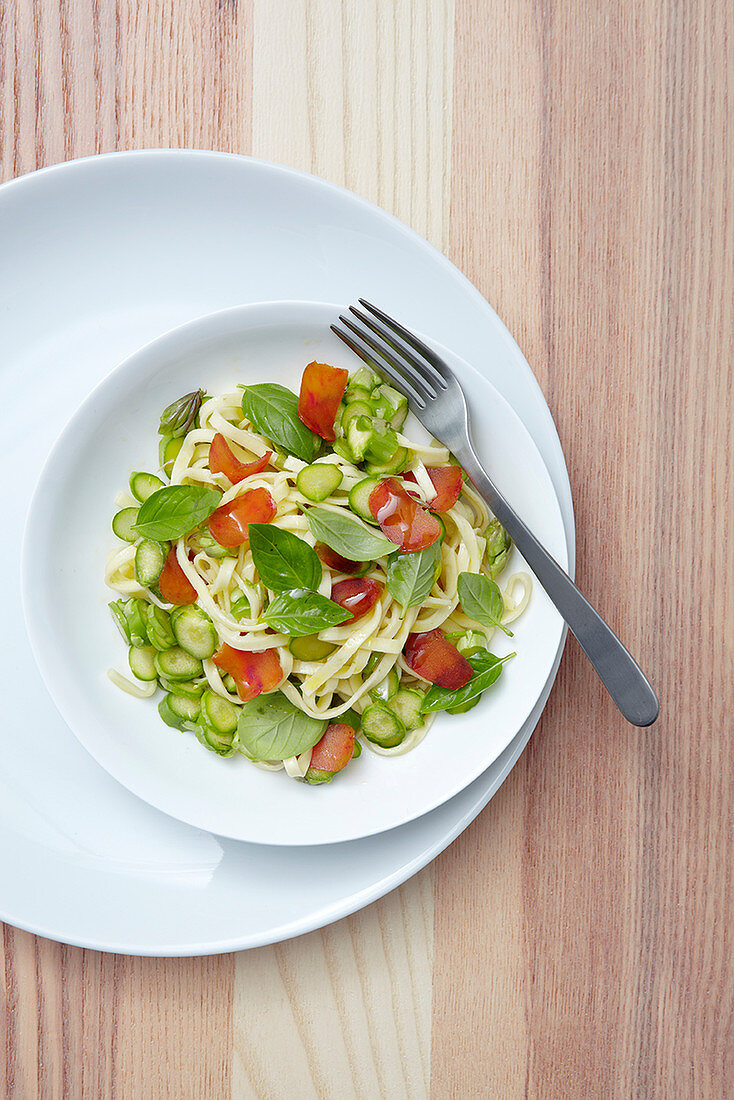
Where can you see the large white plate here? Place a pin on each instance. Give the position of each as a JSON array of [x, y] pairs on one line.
[[68, 540], [99, 256]]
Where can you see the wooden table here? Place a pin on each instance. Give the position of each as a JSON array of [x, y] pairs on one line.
[[571, 158]]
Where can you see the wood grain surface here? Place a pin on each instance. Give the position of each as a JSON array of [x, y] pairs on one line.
[[575, 160]]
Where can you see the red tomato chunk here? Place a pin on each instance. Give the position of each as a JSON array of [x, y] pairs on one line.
[[322, 388], [228, 525], [434, 658], [336, 561], [223, 461], [447, 481], [358, 595], [173, 584], [252, 672], [334, 751], [401, 518]]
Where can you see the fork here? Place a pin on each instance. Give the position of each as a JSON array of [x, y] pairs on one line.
[[437, 400]]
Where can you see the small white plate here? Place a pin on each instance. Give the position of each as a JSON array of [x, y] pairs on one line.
[[68, 539]]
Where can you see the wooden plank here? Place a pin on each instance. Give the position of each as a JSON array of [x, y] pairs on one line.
[[593, 898]]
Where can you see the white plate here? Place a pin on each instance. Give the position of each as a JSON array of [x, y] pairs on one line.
[[173, 237], [68, 540]]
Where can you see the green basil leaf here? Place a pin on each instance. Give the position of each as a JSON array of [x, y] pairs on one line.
[[273, 411], [410, 577], [482, 600], [303, 612], [270, 727], [347, 535], [487, 669], [175, 510], [282, 560]]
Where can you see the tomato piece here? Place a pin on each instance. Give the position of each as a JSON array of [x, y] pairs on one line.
[[358, 595], [434, 658], [252, 672], [173, 584], [228, 525], [223, 461], [322, 388], [337, 562], [447, 481], [401, 518], [334, 751]]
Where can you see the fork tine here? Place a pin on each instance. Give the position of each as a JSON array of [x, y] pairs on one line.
[[426, 378], [370, 360], [434, 363], [388, 365]]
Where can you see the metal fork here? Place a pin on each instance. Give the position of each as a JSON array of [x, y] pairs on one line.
[[436, 398]]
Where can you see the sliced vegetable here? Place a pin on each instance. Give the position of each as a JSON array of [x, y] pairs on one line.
[[499, 545], [135, 612], [123, 524], [319, 481], [302, 611], [283, 560], [338, 563], [273, 411], [150, 558], [432, 656], [194, 631], [391, 405], [176, 664], [175, 510], [381, 726], [180, 416], [407, 705], [192, 689], [142, 662], [382, 447], [184, 707], [252, 672], [341, 448], [486, 669], [399, 461], [310, 648], [358, 595], [168, 451], [464, 707], [322, 388], [118, 611], [386, 688], [401, 518], [275, 729], [219, 713], [158, 626], [362, 381], [333, 751], [222, 460], [469, 642], [223, 744], [354, 409], [229, 524], [143, 485], [347, 535], [447, 481], [173, 584], [170, 717], [359, 498], [359, 432], [214, 549]]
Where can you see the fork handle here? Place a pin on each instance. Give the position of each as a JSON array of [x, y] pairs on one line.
[[617, 669]]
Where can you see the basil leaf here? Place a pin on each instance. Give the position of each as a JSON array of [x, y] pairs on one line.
[[282, 560], [270, 727], [410, 577], [482, 600], [302, 612], [273, 411], [175, 510], [487, 669], [347, 535]]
